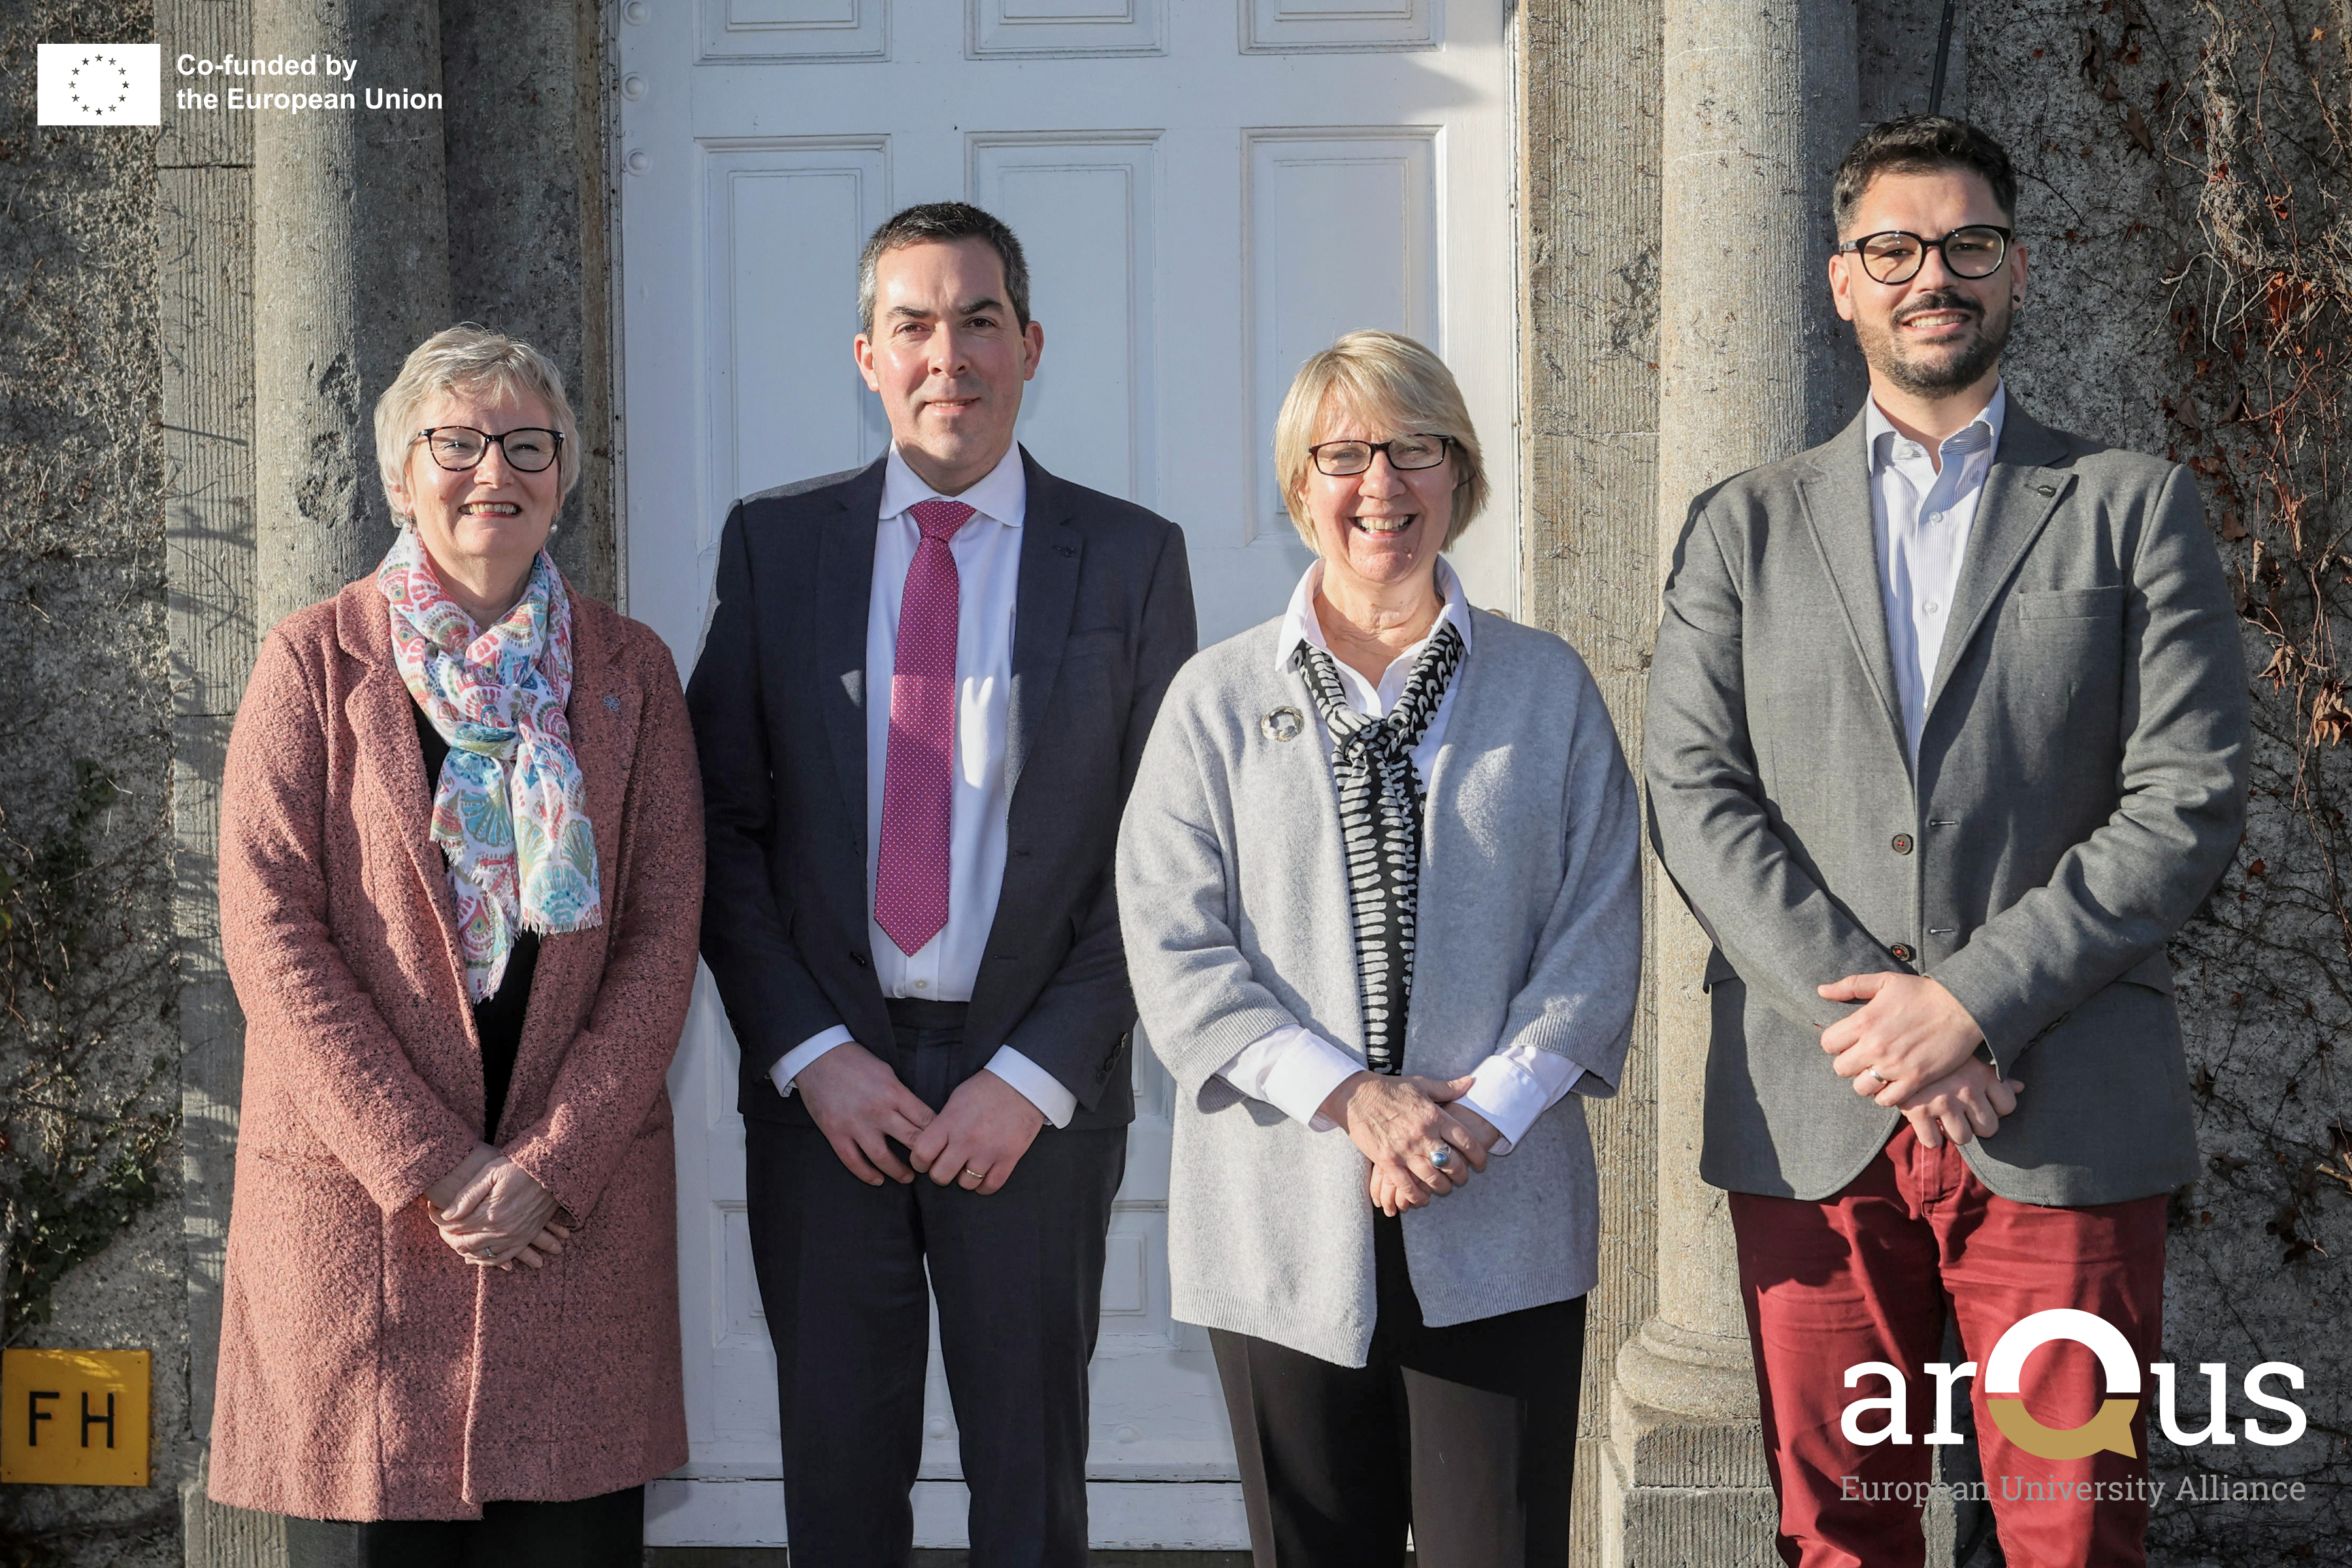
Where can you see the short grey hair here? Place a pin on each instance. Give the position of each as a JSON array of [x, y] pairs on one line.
[[1388, 378], [469, 358], [944, 223]]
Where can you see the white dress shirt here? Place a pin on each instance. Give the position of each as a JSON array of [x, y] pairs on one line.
[[987, 551], [1923, 518], [1294, 1068]]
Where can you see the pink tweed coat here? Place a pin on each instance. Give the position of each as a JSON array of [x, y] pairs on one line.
[[367, 1371]]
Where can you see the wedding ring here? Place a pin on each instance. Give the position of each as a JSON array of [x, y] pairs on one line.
[[1883, 1081], [983, 1176], [1442, 1157]]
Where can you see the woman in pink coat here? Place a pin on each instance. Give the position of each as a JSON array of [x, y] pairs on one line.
[[460, 873]]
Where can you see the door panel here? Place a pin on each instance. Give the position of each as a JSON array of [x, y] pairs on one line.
[[1326, 25], [1082, 204], [1377, 187], [788, 208], [1208, 191], [1007, 28], [795, 29]]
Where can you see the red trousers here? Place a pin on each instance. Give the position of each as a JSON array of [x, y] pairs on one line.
[[1865, 1277]]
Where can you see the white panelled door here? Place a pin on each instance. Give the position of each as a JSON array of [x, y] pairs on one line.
[[1208, 191]]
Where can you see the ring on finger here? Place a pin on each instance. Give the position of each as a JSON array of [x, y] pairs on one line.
[[1883, 1081], [977, 1175], [1440, 1159]]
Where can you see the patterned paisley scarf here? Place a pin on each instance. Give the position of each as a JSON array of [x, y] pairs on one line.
[[1379, 820], [509, 810]]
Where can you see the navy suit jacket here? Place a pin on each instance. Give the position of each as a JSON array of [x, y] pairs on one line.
[[1102, 619]]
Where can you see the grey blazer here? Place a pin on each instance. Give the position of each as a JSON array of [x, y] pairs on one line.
[[2081, 789], [1233, 899]]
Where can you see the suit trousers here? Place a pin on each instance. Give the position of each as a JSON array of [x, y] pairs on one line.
[[607, 1532], [1018, 1277], [1866, 1275], [1464, 1434]]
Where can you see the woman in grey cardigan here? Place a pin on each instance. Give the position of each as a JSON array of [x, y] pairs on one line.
[[1379, 883]]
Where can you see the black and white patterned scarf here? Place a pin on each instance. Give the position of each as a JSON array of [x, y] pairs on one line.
[[1379, 820]]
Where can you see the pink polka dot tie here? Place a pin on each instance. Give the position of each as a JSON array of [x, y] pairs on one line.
[[910, 874]]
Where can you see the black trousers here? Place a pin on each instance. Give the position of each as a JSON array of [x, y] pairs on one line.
[[1466, 1435], [607, 1532], [1018, 1275]]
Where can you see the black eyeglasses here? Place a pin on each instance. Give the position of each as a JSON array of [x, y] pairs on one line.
[[460, 447], [1341, 458], [1896, 255]]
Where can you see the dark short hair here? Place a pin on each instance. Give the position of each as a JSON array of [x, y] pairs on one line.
[[1915, 144], [942, 223]]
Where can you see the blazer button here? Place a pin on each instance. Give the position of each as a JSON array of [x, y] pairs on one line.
[[1903, 843], [1903, 953]]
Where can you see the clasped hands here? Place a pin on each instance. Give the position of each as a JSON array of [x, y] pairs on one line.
[[493, 1214], [973, 1141], [1398, 1123], [1911, 1046]]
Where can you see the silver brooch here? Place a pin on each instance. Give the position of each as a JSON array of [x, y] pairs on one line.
[[1283, 724]]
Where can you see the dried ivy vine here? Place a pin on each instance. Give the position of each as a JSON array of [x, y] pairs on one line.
[[82, 1144], [2243, 109]]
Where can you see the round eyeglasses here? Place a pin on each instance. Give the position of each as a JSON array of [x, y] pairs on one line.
[[1341, 458], [459, 446], [1896, 255]]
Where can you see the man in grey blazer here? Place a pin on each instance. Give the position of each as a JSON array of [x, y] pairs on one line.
[[1946, 735], [919, 707]]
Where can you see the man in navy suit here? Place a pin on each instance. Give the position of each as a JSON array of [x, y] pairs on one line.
[[919, 707]]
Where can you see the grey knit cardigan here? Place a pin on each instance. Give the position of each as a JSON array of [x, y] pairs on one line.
[[1233, 903]]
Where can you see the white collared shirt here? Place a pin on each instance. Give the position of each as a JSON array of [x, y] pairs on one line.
[[1922, 519], [987, 551], [1294, 1068]]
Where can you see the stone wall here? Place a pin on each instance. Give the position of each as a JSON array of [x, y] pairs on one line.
[[2119, 178], [89, 1037], [127, 624]]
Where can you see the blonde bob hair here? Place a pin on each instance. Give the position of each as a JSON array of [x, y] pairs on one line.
[[471, 360], [1392, 382]]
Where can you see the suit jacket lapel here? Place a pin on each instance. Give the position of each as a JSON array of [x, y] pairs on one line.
[[2020, 494], [844, 589], [1051, 554], [1836, 499]]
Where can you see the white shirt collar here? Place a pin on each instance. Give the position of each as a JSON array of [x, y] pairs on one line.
[[1875, 425], [1002, 495], [1300, 620]]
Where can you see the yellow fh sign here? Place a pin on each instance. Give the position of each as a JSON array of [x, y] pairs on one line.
[[74, 1418]]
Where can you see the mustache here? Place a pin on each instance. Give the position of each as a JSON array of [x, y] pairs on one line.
[[1942, 300]]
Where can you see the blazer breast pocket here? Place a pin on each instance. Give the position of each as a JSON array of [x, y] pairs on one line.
[[2070, 604]]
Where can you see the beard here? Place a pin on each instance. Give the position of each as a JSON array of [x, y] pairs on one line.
[[1944, 369]]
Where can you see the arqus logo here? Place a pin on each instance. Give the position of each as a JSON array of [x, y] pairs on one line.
[[102, 84], [2109, 1429]]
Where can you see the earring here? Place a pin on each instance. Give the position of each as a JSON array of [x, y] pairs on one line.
[[553, 529]]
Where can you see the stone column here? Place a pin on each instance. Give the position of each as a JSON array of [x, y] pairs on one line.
[[1587, 81], [279, 338], [1759, 100], [545, 278], [350, 266]]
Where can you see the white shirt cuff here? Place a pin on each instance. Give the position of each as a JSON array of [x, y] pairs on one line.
[[796, 1061], [1038, 1087], [1512, 1088], [1294, 1070]]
